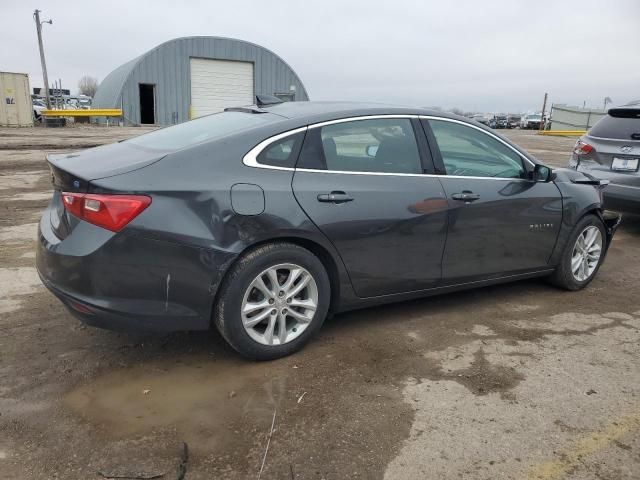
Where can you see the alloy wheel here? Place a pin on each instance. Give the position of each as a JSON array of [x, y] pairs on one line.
[[586, 253], [279, 304]]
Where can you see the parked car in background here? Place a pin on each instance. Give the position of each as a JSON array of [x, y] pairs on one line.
[[531, 121], [501, 121], [38, 107], [610, 151], [263, 219], [79, 101], [513, 121]]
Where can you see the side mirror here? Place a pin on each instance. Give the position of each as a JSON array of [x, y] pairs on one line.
[[541, 173], [372, 150]]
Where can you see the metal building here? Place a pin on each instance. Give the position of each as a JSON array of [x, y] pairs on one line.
[[565, 117], [193, 76]]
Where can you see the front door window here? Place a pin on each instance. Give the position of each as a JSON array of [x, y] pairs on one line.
[[469, 152]]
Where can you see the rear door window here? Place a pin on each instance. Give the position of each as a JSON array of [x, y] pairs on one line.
[[377, 145]]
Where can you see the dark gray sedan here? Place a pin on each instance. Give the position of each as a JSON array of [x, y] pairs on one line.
[[611, 151], [263, 220]]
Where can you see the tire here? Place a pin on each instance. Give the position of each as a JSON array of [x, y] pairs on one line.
[[239, 290], [564, 276]]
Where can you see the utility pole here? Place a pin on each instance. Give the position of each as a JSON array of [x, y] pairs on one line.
[[36, 17], [544, 107]]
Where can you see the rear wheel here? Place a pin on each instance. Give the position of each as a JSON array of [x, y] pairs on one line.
[[582, 256], [273, 300]]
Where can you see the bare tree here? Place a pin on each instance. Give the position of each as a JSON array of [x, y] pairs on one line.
[[88, 85]]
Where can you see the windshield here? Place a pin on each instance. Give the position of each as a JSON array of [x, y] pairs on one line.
[[202, 129]]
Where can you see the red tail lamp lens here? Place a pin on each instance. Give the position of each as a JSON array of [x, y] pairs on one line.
[[582, 148], [112, 212]]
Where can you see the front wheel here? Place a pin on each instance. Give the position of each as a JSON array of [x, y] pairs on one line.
[[272, 301], [582, 256]]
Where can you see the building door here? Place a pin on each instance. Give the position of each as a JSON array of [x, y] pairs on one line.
[[218, 84], [147, 104]]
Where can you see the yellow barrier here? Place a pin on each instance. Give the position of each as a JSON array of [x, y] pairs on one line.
[[98, 112], [563, 133]]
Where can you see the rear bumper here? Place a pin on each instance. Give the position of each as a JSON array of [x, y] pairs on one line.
[[95, 316], [128, 282]]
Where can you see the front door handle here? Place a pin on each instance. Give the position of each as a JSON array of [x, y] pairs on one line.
[[334, 197], [466, 196]]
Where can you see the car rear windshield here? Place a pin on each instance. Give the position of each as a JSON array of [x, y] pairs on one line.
[[200, 130], [618, 127]]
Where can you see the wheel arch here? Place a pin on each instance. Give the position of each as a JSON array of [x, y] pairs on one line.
[[336, 280], [569, 224]]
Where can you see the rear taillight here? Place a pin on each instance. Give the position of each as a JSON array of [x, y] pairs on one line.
[[582, 148], [112, 212]]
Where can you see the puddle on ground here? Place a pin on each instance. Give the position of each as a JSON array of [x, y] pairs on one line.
[[210, 401]]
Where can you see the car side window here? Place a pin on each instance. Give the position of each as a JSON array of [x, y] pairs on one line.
[[380, 145], [469, 152], [282, 153]]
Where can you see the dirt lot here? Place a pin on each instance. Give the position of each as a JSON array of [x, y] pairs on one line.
[[515, 381]]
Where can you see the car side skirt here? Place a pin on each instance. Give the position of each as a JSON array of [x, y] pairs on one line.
[[400, 297]]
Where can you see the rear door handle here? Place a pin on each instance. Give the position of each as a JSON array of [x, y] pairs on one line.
[[335, 197], [466, 196]]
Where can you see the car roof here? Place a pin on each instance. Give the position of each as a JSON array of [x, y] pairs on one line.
[[335, 110], [298, 114]]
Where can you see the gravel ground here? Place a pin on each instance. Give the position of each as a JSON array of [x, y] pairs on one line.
[[514, 381]]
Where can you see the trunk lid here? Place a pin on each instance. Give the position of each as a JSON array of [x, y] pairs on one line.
[[73, 171]]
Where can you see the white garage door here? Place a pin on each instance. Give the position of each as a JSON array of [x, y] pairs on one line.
[[218, 84]]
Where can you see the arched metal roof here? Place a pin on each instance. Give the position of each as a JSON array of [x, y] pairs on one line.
[[167, 67]]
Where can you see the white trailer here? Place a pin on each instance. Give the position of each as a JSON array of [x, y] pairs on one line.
[[15, 105]]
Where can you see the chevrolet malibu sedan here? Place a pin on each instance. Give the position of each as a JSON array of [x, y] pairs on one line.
[[263, 220]]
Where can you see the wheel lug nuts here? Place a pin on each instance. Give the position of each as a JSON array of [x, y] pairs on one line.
[[284, 311], [281, 293], [274, 311], [288, 300], [271, 300]]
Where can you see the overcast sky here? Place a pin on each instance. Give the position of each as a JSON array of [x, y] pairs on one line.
[[477, 55]]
